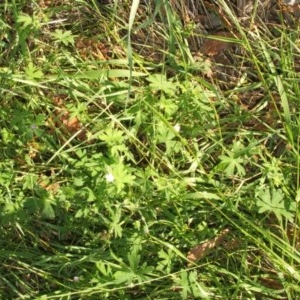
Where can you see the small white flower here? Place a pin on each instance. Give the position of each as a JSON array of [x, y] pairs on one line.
[[109, 177], [177, 127]]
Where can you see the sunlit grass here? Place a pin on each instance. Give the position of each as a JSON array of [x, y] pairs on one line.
[[133, 168]]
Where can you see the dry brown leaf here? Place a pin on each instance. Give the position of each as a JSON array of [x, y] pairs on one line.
[[44, 182], [208, 72], [213, 47], [71, 126], [204, 248], [68, 125], [232, 244], [90, 46], [271, 283]]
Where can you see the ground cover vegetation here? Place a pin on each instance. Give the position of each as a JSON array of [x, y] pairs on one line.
[[146, 154]]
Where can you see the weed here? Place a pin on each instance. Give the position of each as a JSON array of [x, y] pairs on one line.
[[136, 166]]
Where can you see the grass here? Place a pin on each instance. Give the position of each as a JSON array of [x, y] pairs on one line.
[[132, 167]]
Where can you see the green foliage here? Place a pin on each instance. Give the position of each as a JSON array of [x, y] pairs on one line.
[[32, 72], [28, 22], [232, 163], [191, 287], [130, 170], [63, 37], [159, 82], [275, 201]]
